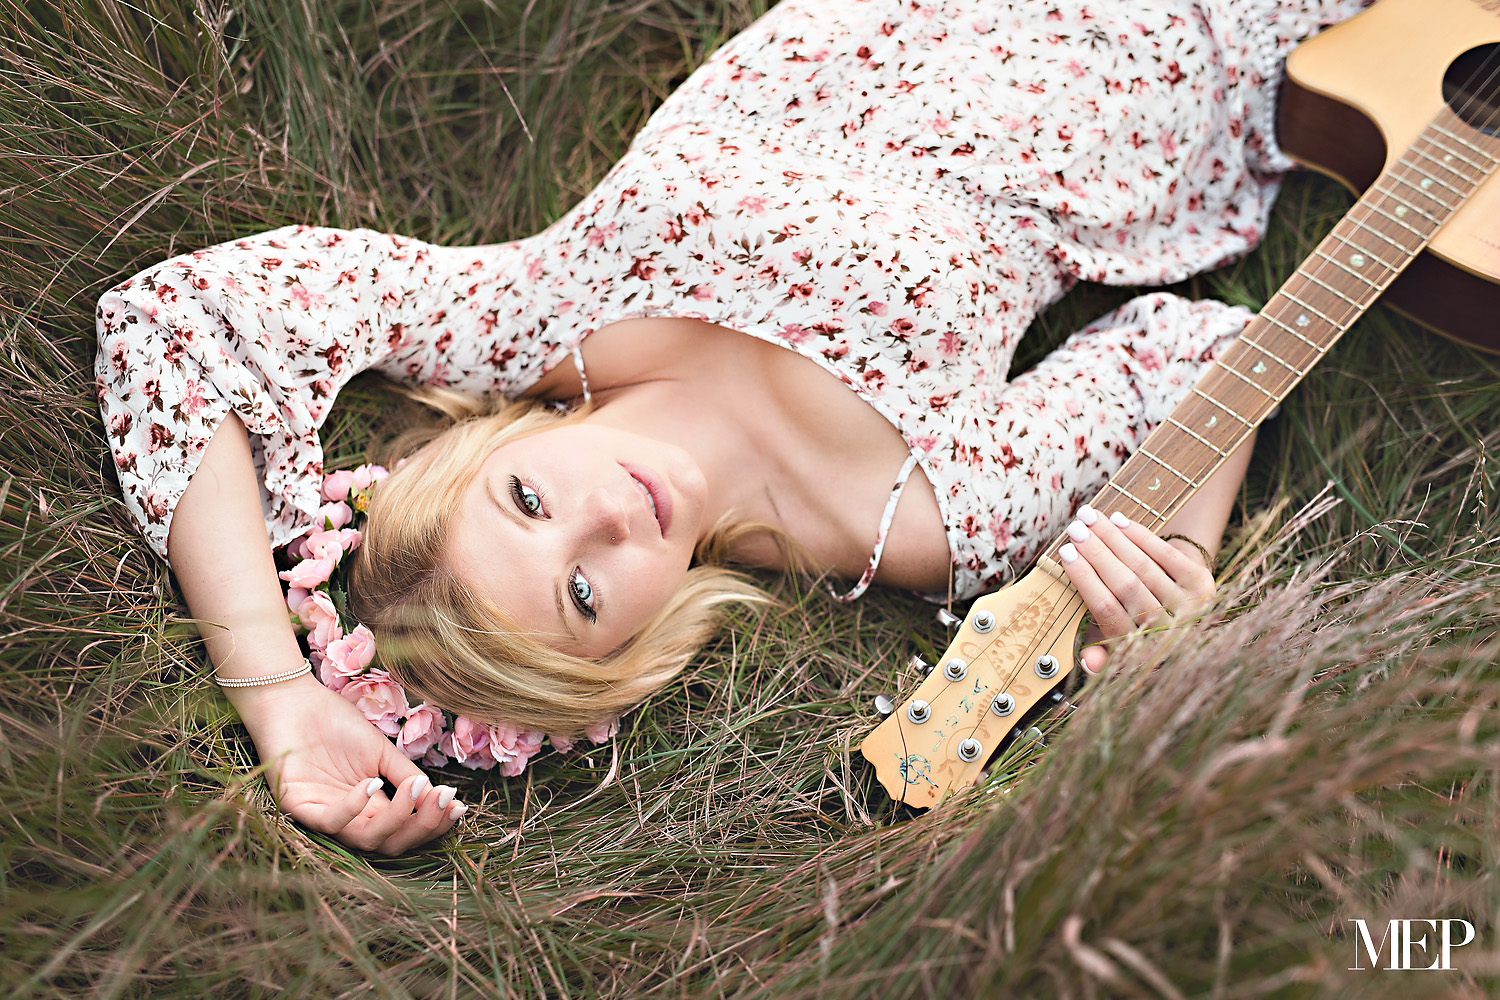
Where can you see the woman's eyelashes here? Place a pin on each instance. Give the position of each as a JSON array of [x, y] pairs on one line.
[[531, 501], [583, 596]]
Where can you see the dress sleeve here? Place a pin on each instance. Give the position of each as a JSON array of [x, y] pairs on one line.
[[1061, 429], [269, 328]]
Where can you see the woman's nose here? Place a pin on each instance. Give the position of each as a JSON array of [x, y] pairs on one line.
[[607, 518]]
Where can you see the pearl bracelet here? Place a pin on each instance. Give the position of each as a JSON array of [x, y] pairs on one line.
[[250, 682]]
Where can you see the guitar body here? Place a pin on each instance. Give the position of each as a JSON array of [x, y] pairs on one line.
[[1355, 97], [1421, 145]]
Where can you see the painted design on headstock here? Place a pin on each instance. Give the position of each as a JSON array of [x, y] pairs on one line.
[[915, 768], [1019, 637]]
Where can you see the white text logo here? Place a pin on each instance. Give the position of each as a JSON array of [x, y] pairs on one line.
[[1408, 936]]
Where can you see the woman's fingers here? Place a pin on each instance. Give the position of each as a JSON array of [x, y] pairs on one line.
[[1128, 576], [434, 816]]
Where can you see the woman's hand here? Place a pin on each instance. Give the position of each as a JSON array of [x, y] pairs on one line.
[[324, 762], [1130, 578]]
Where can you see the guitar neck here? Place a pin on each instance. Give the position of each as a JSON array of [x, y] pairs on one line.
[[1380, 235]]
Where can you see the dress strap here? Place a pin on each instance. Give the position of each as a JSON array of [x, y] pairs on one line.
[[868, 576], [583, 376]]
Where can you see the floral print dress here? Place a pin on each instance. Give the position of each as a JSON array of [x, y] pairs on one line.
[[890, 188]]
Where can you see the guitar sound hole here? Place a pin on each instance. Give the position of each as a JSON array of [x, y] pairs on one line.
[[1471, 87]]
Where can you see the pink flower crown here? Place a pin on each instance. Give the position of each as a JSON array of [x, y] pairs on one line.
[[317, 593]]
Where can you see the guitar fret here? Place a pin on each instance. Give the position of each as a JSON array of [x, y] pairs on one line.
[[1250, 381], [1466, 144], [1299, 372], [1311, 309], [1199, 392], [1361, 223], [1396, 197], [1441, 164], [1374, 206], [1426, 192], [1428, 180], [1342, 267], [1166, 465], [1112, 485], [1194, 434], [1315, 346]]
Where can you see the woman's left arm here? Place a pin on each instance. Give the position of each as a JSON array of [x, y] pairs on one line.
[[1130, 577]]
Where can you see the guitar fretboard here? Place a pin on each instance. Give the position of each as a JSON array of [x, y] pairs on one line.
[[1363, 254]]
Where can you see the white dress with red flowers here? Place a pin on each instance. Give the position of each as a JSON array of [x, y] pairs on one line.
[[892, 189]]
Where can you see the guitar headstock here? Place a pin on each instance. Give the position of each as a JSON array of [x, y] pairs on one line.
[[1014, 647]]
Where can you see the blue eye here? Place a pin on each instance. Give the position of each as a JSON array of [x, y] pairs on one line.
[[583, 595], [526, 498]]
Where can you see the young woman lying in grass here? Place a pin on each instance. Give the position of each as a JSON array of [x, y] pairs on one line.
[[787, 313]]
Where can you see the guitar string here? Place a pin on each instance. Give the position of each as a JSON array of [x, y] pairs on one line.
[[1473, 92]]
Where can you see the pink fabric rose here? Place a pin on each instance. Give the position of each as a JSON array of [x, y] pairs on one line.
[[469, 744], [380, 699], [366, 476], [331, 678], [421, 731], [295, 596], [335, 515], [603, 731], [321, 619], [352, 654], [310, 573], [513, 748], [336, 485]]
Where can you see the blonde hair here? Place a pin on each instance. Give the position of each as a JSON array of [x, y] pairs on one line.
[[446, 643]]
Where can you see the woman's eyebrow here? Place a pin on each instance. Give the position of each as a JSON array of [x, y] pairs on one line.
[[562, 611], [508, 509]]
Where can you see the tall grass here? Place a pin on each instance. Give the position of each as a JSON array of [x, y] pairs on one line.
[[1202, 826]]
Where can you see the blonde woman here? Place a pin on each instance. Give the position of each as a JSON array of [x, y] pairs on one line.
[[787, 313]]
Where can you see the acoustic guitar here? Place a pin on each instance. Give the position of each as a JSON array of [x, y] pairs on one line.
[[1412, 86]]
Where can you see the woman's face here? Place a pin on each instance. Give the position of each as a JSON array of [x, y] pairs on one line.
[[581, 533]]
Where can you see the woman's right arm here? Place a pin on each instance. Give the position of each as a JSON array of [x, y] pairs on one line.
[[320, 752], [215, 372]]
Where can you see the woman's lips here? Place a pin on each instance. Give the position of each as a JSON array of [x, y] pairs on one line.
[[656, 491]]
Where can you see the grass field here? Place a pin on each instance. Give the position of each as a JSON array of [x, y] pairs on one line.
[[1203, 826]]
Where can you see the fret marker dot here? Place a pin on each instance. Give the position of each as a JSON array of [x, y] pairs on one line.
[[1357, 259], [1400, 211], [1426, 183], [1155, 484], [1258, 368], [1211, 421], [1302, 319], [1448, 158]]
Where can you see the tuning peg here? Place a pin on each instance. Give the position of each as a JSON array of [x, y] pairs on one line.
[[948, 619], [884, 705], [918, 664]]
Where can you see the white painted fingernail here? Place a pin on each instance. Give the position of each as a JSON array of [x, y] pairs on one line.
[[458, 810], [372, 786], [445, 796], [1067, 553], [1087, 514], [1118, 520], [418, 787], [1077, 531]]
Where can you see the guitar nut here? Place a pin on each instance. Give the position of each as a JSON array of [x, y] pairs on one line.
[[1046, 666], [970, 749], [983, 622], [955, 669], [919, 711], [1002, 704]]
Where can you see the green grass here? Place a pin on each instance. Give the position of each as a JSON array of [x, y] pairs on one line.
[[1203, 826]]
